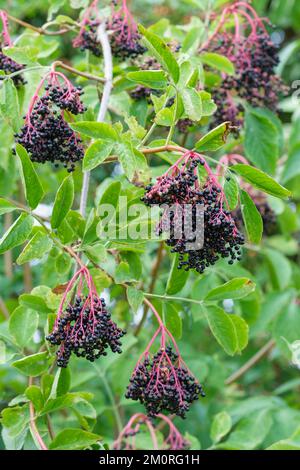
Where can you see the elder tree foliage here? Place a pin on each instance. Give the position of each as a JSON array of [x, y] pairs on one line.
[[110, 113]]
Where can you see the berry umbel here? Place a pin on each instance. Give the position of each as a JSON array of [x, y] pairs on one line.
[[124, 36], [255, 57], [87, 36], [46, 134], [83, 326], [128, 437], [8, 65], [125, 39], [162, 382], [183, 196]]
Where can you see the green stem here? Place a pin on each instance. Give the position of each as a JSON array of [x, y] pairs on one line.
[[170, 297], [114, 404], [22, 71], [149, 133], [172, 128]]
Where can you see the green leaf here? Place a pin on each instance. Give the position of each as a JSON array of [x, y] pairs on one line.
[[9, 107], [32, 365], [63, 263], [221, 426], [249, 432], [172, 319], [23, 324], [73, 439], [231, 334], [63, 201], [6, 206], [241, 331], [165, 117], [218, 62], [22, 55], [34, 394], [155, 79], [177, 277], [231, 190], [214, 139], [236, 288], [252, 218], [96, 153], [261, 180], [292, 443], [34, 302], [33, 189], [36, 248], [111, 194], [192, 103], [135, 298], [17, 233], [280, 268], [209, 107], [292, 167], [15, 419], [96, 130], [161, 52], [133, 162], [61, 383], [261, 140]]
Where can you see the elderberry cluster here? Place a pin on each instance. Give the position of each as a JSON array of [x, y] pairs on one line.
[[255, 59], [46, 135], [87, 39], [161, 384], [66, 98], [221, 239], [125, 40], [85, 330], [9, 66]]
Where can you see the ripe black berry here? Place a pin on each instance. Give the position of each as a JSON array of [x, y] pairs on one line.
[[46, 135], [179, 188], [84, 327], [163, 384]]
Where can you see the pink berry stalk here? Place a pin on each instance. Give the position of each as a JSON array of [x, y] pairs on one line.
[[127, 437]]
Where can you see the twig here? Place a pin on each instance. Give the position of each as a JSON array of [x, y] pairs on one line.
[[151, 151], [70, 69], [4, 309], [154, 274], [32, 423], [36, 28], [49, 427], [256, 358], [108, 75], [8, 265]]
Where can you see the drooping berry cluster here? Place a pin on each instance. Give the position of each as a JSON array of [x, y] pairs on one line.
[[84, 327], [127, 437], [66, 97], [125, 39], [8, 65], [162, 384], [46, 134], [183, 199], [255, 57], [88, 40], [87, 36]]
